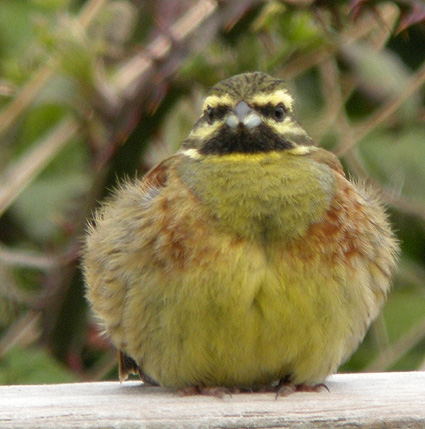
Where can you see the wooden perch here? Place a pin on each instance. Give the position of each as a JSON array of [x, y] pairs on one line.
[[390, 400]]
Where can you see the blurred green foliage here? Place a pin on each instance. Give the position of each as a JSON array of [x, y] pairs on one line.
[[33, 366], [94, 91]]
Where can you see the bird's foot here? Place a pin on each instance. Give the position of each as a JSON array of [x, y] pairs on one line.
[[283, 388], [217, 391], [287, 388]]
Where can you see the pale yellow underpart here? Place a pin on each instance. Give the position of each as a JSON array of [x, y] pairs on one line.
[[279, 96], [257, 343]]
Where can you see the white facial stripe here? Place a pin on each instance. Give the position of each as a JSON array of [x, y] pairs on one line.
[[301, 150], [279, 96], [192, 153]]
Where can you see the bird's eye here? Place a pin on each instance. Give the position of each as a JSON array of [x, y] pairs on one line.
[[209, 112], [279, 113]]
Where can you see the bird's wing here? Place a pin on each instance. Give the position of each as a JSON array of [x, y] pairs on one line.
[[323, 156], [156, 178], [113, 236]]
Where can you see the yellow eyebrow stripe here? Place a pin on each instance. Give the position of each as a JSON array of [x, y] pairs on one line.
[[279, 96], [215, 100]]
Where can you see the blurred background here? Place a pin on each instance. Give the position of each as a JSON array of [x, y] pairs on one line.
[[94, 91]]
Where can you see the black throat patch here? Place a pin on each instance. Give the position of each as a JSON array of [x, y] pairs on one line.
[[241, 140]]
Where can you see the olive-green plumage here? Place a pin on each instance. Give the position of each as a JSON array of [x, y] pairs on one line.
[[247, 258]]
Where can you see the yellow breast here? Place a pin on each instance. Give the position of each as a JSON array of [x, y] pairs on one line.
[[274, 195]]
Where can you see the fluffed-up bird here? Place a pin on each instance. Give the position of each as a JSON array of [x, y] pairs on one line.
[[247, 260]]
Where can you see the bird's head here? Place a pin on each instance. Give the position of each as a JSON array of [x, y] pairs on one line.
[[247, 113]]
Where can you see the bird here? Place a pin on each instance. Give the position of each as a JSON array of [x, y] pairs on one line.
[[247, 260]]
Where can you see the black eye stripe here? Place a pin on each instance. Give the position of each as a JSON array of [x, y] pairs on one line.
[[215, 113], [269, 110]]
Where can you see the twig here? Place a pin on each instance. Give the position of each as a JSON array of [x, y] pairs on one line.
[[89, 11], [30, 259], [389, 356], [384, 112], [24, 326], [362, 28], [23, 171], [131, 72], [10, 113], [24, 97], [397, 201]]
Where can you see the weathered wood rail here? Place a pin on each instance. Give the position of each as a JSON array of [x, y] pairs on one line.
[[378, 400]]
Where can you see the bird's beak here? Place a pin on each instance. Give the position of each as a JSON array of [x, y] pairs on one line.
[[243, 116]]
